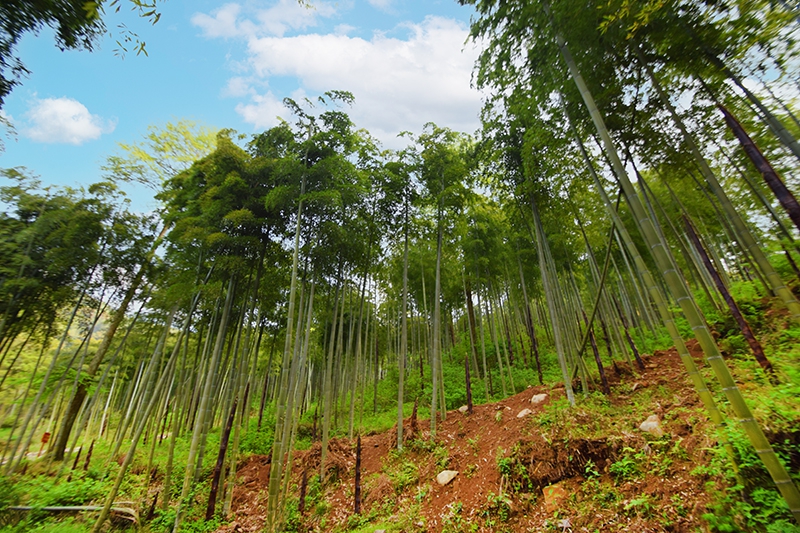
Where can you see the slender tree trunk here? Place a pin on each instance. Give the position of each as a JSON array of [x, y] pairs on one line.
[[202, 408], [468, 384], [771, 177], [677, 285], [529, 324], [402, 356], [550, 295], [598, 362], [758, 351], [62, 436], [436, 343], [223, 448], [740, 229], [357, 506]]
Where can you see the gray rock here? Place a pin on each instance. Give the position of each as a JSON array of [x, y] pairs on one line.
[[463, 409], [538, 398], [446, 476], [524, 413], [652, 426]]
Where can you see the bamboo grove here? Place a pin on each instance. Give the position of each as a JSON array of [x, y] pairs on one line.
[[635, 156]]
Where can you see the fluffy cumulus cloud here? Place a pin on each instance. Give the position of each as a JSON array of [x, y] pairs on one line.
[[64, 120], [399, 82]]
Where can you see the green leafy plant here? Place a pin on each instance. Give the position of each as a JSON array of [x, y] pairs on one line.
[[626, 467], [454, 522], [498, 505], [473, 444], [590, 470], [640, 506], [470, 470], [403, 475]]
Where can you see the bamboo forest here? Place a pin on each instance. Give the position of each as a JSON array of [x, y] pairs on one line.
[[582, 317]]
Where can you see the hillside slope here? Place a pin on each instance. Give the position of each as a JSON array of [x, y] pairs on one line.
[[589, 468]]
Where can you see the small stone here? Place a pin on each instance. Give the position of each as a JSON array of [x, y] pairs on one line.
[[463, 409], [380, 531], [652, 426], [524, 413], [553, 496], [539, 398], [446, 476]]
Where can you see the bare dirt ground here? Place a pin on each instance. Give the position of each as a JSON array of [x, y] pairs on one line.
[[567, 453]]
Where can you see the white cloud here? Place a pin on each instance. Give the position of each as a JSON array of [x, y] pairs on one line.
[[285, 15], [64, 120], [222, 24], [399, 84], [237, 87], [383, 5], [263, 111], [343, 29]]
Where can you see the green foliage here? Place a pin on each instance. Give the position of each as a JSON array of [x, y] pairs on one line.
[[454, 522], [765, 511], [761, 509], [67, 525], [10, 493], [590, 470], [44, 492], [497, 506], [292, 521], [259, 440], [165, 151], [164, 521], [436, 449], [640, 506], [627, 466], [403, 472], [505, 465]]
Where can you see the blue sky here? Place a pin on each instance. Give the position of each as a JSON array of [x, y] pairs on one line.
[[229, 65]]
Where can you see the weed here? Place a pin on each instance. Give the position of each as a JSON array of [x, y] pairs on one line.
[[627, 466], [69, 525], [9, 493], [322, 508], [641, 506], [165, 520], [470, 470], [677, 504], [505, 465], [590, 470], [259, 440], [498, 505], [453, 522], [403, 475], [473, 445], [422, 493], [442, 456], [678, 451]]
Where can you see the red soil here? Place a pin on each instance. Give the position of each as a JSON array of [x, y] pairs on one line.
[[474, 443]]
